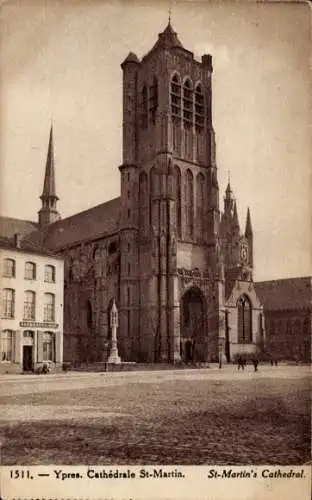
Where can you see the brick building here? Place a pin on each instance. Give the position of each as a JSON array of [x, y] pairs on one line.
[[179, 270], [287, 305]]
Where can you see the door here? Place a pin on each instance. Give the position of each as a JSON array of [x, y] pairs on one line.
[[27, 358]]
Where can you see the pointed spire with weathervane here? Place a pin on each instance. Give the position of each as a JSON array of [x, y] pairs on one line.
[[249, 237], [48, 212]]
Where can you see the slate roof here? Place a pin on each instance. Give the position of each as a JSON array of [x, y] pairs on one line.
[[285, 294], [167, 39], [10, 226], [25, 246], [91, 224]]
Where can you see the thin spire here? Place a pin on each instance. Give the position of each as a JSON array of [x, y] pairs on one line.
[[235, 216], [49, 177], [248, 229]]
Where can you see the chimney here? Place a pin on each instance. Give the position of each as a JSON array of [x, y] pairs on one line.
[[17, 240]]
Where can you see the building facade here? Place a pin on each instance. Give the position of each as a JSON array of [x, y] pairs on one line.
[[287, 307], [179, 270], [31, 307]]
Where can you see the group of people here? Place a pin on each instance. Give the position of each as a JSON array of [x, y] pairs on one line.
[[242, 362]]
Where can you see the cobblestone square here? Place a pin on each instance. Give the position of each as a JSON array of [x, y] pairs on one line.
[[196, 416]]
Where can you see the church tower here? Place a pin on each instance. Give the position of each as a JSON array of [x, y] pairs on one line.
[[169, 198], [48, 212]]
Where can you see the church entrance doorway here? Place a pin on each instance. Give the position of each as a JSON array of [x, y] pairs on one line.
[[193, 326]]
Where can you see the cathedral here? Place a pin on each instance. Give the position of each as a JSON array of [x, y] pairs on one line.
[[177, 265]]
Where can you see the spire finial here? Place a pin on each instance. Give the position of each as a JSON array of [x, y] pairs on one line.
[[169, 12], [229, 177]]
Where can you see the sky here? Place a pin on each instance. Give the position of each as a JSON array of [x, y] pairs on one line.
[[60, 61]]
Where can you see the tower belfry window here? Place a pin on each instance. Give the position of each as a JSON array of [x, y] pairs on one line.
[[199, 108], [153, 100], [175, 95], [187, 104], [144, 107]]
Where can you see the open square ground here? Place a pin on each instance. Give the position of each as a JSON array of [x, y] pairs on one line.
[[204, 416]]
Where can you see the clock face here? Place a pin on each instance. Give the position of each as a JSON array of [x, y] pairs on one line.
[[244, 254]]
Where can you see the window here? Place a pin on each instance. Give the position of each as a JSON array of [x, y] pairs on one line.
[[177, 186], [153, 99], [189, 204], [199, 108], [175, 95], [244, 320], [6, 345], [8, 300], [143, 203], [49, 274], [49, 307], [187, 104], [200, 208], [272, 327], [29, 305], [9, 268], [30, 271], [144, 107], [48, 347]]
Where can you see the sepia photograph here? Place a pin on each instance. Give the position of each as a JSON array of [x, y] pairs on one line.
[[155, 236]]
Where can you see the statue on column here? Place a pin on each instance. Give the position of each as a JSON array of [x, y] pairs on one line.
[[114, 358]]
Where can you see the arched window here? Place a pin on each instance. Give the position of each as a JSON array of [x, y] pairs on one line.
[[199, 123], [30, 271], [188, 119], [244, 320], [89, 315], [48, 347], [144, 107], [175, 97], [143, 202], [177, 187], [189, 202], [6, 345], [152, 191], [199, 108], [153, 96], [187, 103], [8, 303], [200, 206], [29, 305], [9, 268], [49, 307], [49, 274], [272, 327]]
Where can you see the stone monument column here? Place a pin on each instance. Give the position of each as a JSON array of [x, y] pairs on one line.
[[114, 358]]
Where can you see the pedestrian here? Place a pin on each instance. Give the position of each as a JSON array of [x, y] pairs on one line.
[[239, 362], [255, 363]]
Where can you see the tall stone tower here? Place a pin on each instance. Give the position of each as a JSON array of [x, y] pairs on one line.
[[171, 267], [48, 212]]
